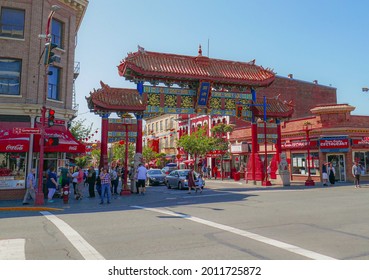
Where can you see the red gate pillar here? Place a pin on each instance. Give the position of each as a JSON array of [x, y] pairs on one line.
[[278, 147], [139, 134], [104, 140], [139, 118]]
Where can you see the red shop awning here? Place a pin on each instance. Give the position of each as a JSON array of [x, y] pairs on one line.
[[67, 142], [13, 143]]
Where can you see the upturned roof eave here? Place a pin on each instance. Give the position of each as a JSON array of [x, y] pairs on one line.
[[139, 73]]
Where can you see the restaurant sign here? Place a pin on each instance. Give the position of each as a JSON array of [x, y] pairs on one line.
[[360, 142], [334, 144]]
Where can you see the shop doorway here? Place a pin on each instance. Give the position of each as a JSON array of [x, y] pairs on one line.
[[338, 161]]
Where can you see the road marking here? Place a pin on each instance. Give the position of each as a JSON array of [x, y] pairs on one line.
[[282, 245], [12, 249], [84, 248]]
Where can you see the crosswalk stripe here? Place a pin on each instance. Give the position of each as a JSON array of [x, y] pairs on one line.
[[12, 249]]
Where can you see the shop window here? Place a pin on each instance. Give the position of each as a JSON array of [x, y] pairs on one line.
[[299, 164], [56, 33], [12, 170], [12, 23], [10, 73], [53, 82], [363, 159]]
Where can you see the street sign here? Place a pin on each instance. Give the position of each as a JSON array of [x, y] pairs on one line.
[[26, 130]]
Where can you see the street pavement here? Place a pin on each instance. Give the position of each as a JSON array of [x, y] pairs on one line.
[[229, 220]]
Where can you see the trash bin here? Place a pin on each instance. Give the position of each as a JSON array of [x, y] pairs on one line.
[[236, 176]]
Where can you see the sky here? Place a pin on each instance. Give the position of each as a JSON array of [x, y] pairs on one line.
[[323, 40]]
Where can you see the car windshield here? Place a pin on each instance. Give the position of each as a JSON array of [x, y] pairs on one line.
[[154, 172], [183, 173]]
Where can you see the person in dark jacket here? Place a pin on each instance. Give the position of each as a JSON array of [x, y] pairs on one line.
[[91, 180]]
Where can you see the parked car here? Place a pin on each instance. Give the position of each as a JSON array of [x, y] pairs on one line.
[[179, 179], [155, 177], [168, 168]]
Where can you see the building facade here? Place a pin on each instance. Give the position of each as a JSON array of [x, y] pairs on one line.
[[24, 84]]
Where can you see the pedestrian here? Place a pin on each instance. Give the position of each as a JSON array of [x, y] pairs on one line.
[[331, 174], [205, 171], [98, 183], [31, 187], [325, 174], [200, 183], [215, 172], [91, 180], [269, 171], [80, 183], [114, 181], [191, 180], [356, 172], [74, 180], [105, 185], [131, 176], [51, 184], [141, 176]]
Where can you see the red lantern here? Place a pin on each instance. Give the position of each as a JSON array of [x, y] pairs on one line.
[[121, 142]]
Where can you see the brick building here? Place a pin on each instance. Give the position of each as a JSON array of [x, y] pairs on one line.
[[335, 134], [23, 85]]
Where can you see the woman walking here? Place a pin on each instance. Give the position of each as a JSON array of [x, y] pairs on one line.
[[332, 174]]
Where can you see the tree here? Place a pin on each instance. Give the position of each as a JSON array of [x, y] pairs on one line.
[[196, 144], [79, 130], [220, 142], [119, 152]]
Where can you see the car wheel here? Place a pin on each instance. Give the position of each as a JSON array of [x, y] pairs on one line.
[[179, 185]]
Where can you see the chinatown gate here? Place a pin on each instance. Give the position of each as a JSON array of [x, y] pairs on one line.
[[190, 85]]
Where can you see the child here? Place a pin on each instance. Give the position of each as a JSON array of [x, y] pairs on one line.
[[200, 184]]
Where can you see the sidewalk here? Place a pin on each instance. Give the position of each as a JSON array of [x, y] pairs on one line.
[[154, 194]]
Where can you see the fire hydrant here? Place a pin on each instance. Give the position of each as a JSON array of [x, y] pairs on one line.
[[65, 194]]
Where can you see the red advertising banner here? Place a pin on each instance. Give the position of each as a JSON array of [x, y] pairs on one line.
[[334, 143], [360, 142], [299, 145]]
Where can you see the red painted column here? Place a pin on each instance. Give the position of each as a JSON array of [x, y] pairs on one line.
[[139, 134], [104, 140], [277, 157]]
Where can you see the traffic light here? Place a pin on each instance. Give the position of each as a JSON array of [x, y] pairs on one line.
[[239, 111], [50, 56], [52, 141], [51, 117]]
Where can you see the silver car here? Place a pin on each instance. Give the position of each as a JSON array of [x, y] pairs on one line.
[[179, 179]]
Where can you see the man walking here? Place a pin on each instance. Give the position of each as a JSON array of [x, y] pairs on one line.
[[356, 172], [141, 179], [105, 185], [31, 187]]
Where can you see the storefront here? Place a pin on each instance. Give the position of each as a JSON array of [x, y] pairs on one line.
[[17, 152], [13, 159]]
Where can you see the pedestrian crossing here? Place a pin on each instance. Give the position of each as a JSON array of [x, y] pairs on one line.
[[12, 249]]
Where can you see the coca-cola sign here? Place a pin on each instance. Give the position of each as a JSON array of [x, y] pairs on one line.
[[72, 148], [14, 148]]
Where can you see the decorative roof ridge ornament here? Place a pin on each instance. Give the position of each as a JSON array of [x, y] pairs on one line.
[[141, 49], [202, 60]]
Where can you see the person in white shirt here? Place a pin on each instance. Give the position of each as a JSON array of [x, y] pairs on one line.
[[141, 176]]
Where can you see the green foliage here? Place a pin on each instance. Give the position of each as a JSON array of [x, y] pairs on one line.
[[82, 161], [79, 130], [148, 154], [196, 144], [119, 152]]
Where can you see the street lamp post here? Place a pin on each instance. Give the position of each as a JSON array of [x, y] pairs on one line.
[[40, 195], [307, 127]]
